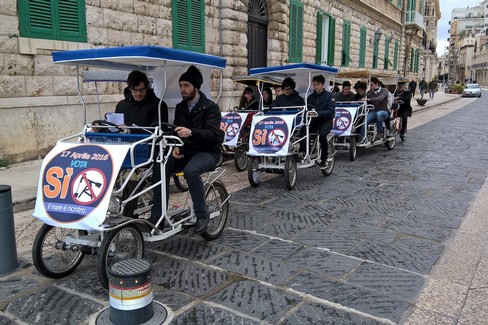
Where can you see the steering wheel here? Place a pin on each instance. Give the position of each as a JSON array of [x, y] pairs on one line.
[[166, 128], [107, 123]]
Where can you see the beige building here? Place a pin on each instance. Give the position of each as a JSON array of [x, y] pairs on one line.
[[39, 103], [467, 58]]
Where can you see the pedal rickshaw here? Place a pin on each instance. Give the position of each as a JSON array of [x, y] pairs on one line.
[[82, 179], [274, 145], [350, 116], [236, 123]]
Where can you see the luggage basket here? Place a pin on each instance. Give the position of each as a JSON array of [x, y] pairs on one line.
[[140, 151]]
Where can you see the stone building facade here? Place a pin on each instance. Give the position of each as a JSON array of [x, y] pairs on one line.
[[39, 103]]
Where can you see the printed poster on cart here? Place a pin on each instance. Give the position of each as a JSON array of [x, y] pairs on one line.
[[76, 182], [343, 120], [231, 124], [270, 135]]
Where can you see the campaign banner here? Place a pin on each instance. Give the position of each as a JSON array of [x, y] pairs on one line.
[[231, 124], [76, 182], [343, 120], [270, 135]]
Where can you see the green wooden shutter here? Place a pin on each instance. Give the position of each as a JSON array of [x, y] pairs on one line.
[[386, 59], [318, 38], [188, 25], [55, 19], [362, 47], [330, 54], [412, 57], [395, 56], [346, 44], [375, 53], [71, 19], [296, 32]]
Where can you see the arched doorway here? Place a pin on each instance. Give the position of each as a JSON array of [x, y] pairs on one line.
[[257, 33]]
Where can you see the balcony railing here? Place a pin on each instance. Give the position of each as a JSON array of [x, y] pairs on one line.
[[414, 19]]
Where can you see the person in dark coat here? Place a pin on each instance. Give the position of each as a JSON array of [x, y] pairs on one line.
[[198, 124], [345, 95], [323, 102], [140, 108], [290, 96], [412, 86], [140, 105], [403, 97]]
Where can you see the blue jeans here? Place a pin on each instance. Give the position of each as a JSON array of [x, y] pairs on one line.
[[379, 117], [193, 167]]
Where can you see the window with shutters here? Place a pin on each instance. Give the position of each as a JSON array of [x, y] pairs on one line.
[[325, 42], [296, 31], [189, 25], [362, 47], [346, 44], [62, 20]]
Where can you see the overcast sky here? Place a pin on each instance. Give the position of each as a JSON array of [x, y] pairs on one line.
[[443, 24]]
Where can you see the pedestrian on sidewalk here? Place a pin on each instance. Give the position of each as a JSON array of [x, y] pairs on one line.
[[402, 98], [432, 87], [412, 86], [423, 88]]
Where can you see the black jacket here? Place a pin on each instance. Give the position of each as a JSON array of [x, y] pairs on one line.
[[143, 113], [204, 123], [323, 103], [294, 99], [404, 109]]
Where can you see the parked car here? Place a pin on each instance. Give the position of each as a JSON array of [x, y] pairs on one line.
[[472, 90]]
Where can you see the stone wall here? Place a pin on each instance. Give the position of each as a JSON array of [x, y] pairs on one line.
[[39, 99]]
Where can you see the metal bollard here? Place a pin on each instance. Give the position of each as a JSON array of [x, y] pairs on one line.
[[131, 292], [8, 246]]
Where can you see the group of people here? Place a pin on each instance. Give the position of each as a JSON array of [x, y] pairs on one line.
[[424, 87], [379, 96], [197, 120], [249, 101]]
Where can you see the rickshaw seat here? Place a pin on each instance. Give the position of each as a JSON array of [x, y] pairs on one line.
[[141, 151]]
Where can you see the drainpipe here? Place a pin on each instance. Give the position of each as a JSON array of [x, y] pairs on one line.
[[221, 82]]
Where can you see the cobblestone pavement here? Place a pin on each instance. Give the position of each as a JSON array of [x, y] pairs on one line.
[[352, 248]]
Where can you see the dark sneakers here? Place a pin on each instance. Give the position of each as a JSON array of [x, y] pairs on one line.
[[323, 164], [201, 225], [403, 137]]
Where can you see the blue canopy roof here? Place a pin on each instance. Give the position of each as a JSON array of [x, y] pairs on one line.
[[147, 57], [293, 69]]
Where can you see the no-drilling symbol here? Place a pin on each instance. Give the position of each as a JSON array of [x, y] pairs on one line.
[[88, 186]]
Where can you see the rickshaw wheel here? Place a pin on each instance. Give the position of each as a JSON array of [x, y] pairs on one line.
[[390, 144], [290, 172], [52, 258], [216, 197], [353, 149], [118, 245], [240, 157], [253, 173], [180, 183]]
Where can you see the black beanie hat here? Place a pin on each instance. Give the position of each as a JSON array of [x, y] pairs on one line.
[[193, 76]]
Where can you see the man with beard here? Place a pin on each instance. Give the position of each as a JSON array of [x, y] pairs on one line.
[[198, 124]]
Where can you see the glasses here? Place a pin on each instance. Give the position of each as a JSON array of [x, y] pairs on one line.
[[140, 90]]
